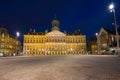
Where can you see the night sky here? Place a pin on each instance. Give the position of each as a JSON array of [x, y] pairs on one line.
[[87, 15]]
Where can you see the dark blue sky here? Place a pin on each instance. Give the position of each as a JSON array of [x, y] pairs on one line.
[[87, 15]]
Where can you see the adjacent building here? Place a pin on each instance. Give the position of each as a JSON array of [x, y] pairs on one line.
[[107, 40], [9, 45], [92, 45], [54, 42]]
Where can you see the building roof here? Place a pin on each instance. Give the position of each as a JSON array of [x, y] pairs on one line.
[[5, 31], [77, 32], [55, 33], [111, 31], [35, 33]]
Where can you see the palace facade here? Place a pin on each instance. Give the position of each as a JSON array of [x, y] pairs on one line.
[[9, 45], [54, 42]]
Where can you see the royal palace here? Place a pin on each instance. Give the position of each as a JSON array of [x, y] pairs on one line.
[[54, 42]]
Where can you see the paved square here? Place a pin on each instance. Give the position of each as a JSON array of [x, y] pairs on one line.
[[81, 67]]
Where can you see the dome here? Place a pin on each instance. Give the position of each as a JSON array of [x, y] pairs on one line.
[[55, 21], [55, 25]]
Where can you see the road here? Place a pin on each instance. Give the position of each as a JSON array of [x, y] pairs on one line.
[[81, 67]]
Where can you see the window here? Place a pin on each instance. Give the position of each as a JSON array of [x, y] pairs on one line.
[[2, 39], [2, 46], [3, 35]]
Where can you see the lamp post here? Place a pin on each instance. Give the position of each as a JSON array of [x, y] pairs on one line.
[[96, 34], [17, 35], [112, 9]]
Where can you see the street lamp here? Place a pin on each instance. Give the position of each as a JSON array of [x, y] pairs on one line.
[[112, 9], [96, 34], [17, 35]]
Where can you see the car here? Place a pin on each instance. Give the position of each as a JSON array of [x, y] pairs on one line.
[[106, 53]]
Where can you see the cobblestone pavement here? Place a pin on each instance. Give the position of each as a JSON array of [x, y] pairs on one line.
[[79, 67]]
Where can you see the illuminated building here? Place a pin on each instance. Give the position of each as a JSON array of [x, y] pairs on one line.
[[106, 39], [54, 42], [9, 45], [92, 45]]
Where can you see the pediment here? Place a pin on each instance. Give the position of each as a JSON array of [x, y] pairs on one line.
[[102, 31]]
